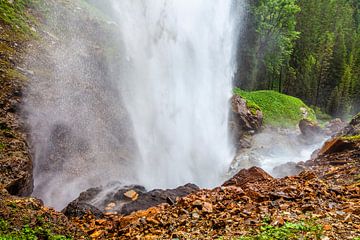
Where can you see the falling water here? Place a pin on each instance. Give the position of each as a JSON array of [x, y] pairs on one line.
[[180, 63], [156, 115]]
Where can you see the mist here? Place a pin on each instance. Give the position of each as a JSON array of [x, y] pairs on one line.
[[143, 103], [277, 150]]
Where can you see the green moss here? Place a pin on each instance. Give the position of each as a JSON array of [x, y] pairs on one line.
[[14, 14], [279, 110], [252, 106], [351, 138]]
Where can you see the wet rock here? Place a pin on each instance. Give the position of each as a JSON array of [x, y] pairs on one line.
[[80, 209], [156, 197], [250, 119], [334, 126], [247, 176], [309, 128], [131, 194], [244, 121], [335, 145], [128, 199], [353, 128], [88, 195], [287, 169]]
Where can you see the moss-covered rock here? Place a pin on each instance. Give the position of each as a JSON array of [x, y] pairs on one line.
[[279, 110]]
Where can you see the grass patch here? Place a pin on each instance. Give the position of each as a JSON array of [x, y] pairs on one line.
[[14, 14], [27, 233], [279, 110], [287, 231], [351, 138]]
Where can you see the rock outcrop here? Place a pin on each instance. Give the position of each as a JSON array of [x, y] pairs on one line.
[[353, 128], [15, 160], [309, 128], [244, 121]]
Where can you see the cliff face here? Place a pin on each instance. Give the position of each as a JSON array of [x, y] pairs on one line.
[[15, 160]]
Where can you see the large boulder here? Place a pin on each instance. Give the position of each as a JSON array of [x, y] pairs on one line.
[[124, 199], [309, 128], [80, 209]]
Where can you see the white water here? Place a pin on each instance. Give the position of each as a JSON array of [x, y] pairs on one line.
[[178, 60], [178, 81]]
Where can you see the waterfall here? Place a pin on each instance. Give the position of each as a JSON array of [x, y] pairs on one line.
[[177, 84], [156, 115]]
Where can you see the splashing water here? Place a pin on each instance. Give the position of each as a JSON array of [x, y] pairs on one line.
[[178, 84], [169, 90]]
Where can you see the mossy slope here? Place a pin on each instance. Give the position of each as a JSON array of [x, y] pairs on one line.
[[279, 110]]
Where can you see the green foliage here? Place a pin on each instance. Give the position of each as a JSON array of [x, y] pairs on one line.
[[307, 49], [27, 233], [288, 231], [279, 109], [351, 138], [252, 106], [276, 29], [14, 14]]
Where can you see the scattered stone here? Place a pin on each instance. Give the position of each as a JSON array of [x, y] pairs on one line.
[[132, 195]]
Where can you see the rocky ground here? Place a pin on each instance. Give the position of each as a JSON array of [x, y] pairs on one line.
[[322, 202]]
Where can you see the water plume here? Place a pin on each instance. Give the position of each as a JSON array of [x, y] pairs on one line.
[[177, 85], [145, 104]]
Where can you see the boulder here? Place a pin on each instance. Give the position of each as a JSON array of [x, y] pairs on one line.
[[309, 128], [249, 119], [124, 199], [80, 209], [157, 197], [244, 121], [248, 176]]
